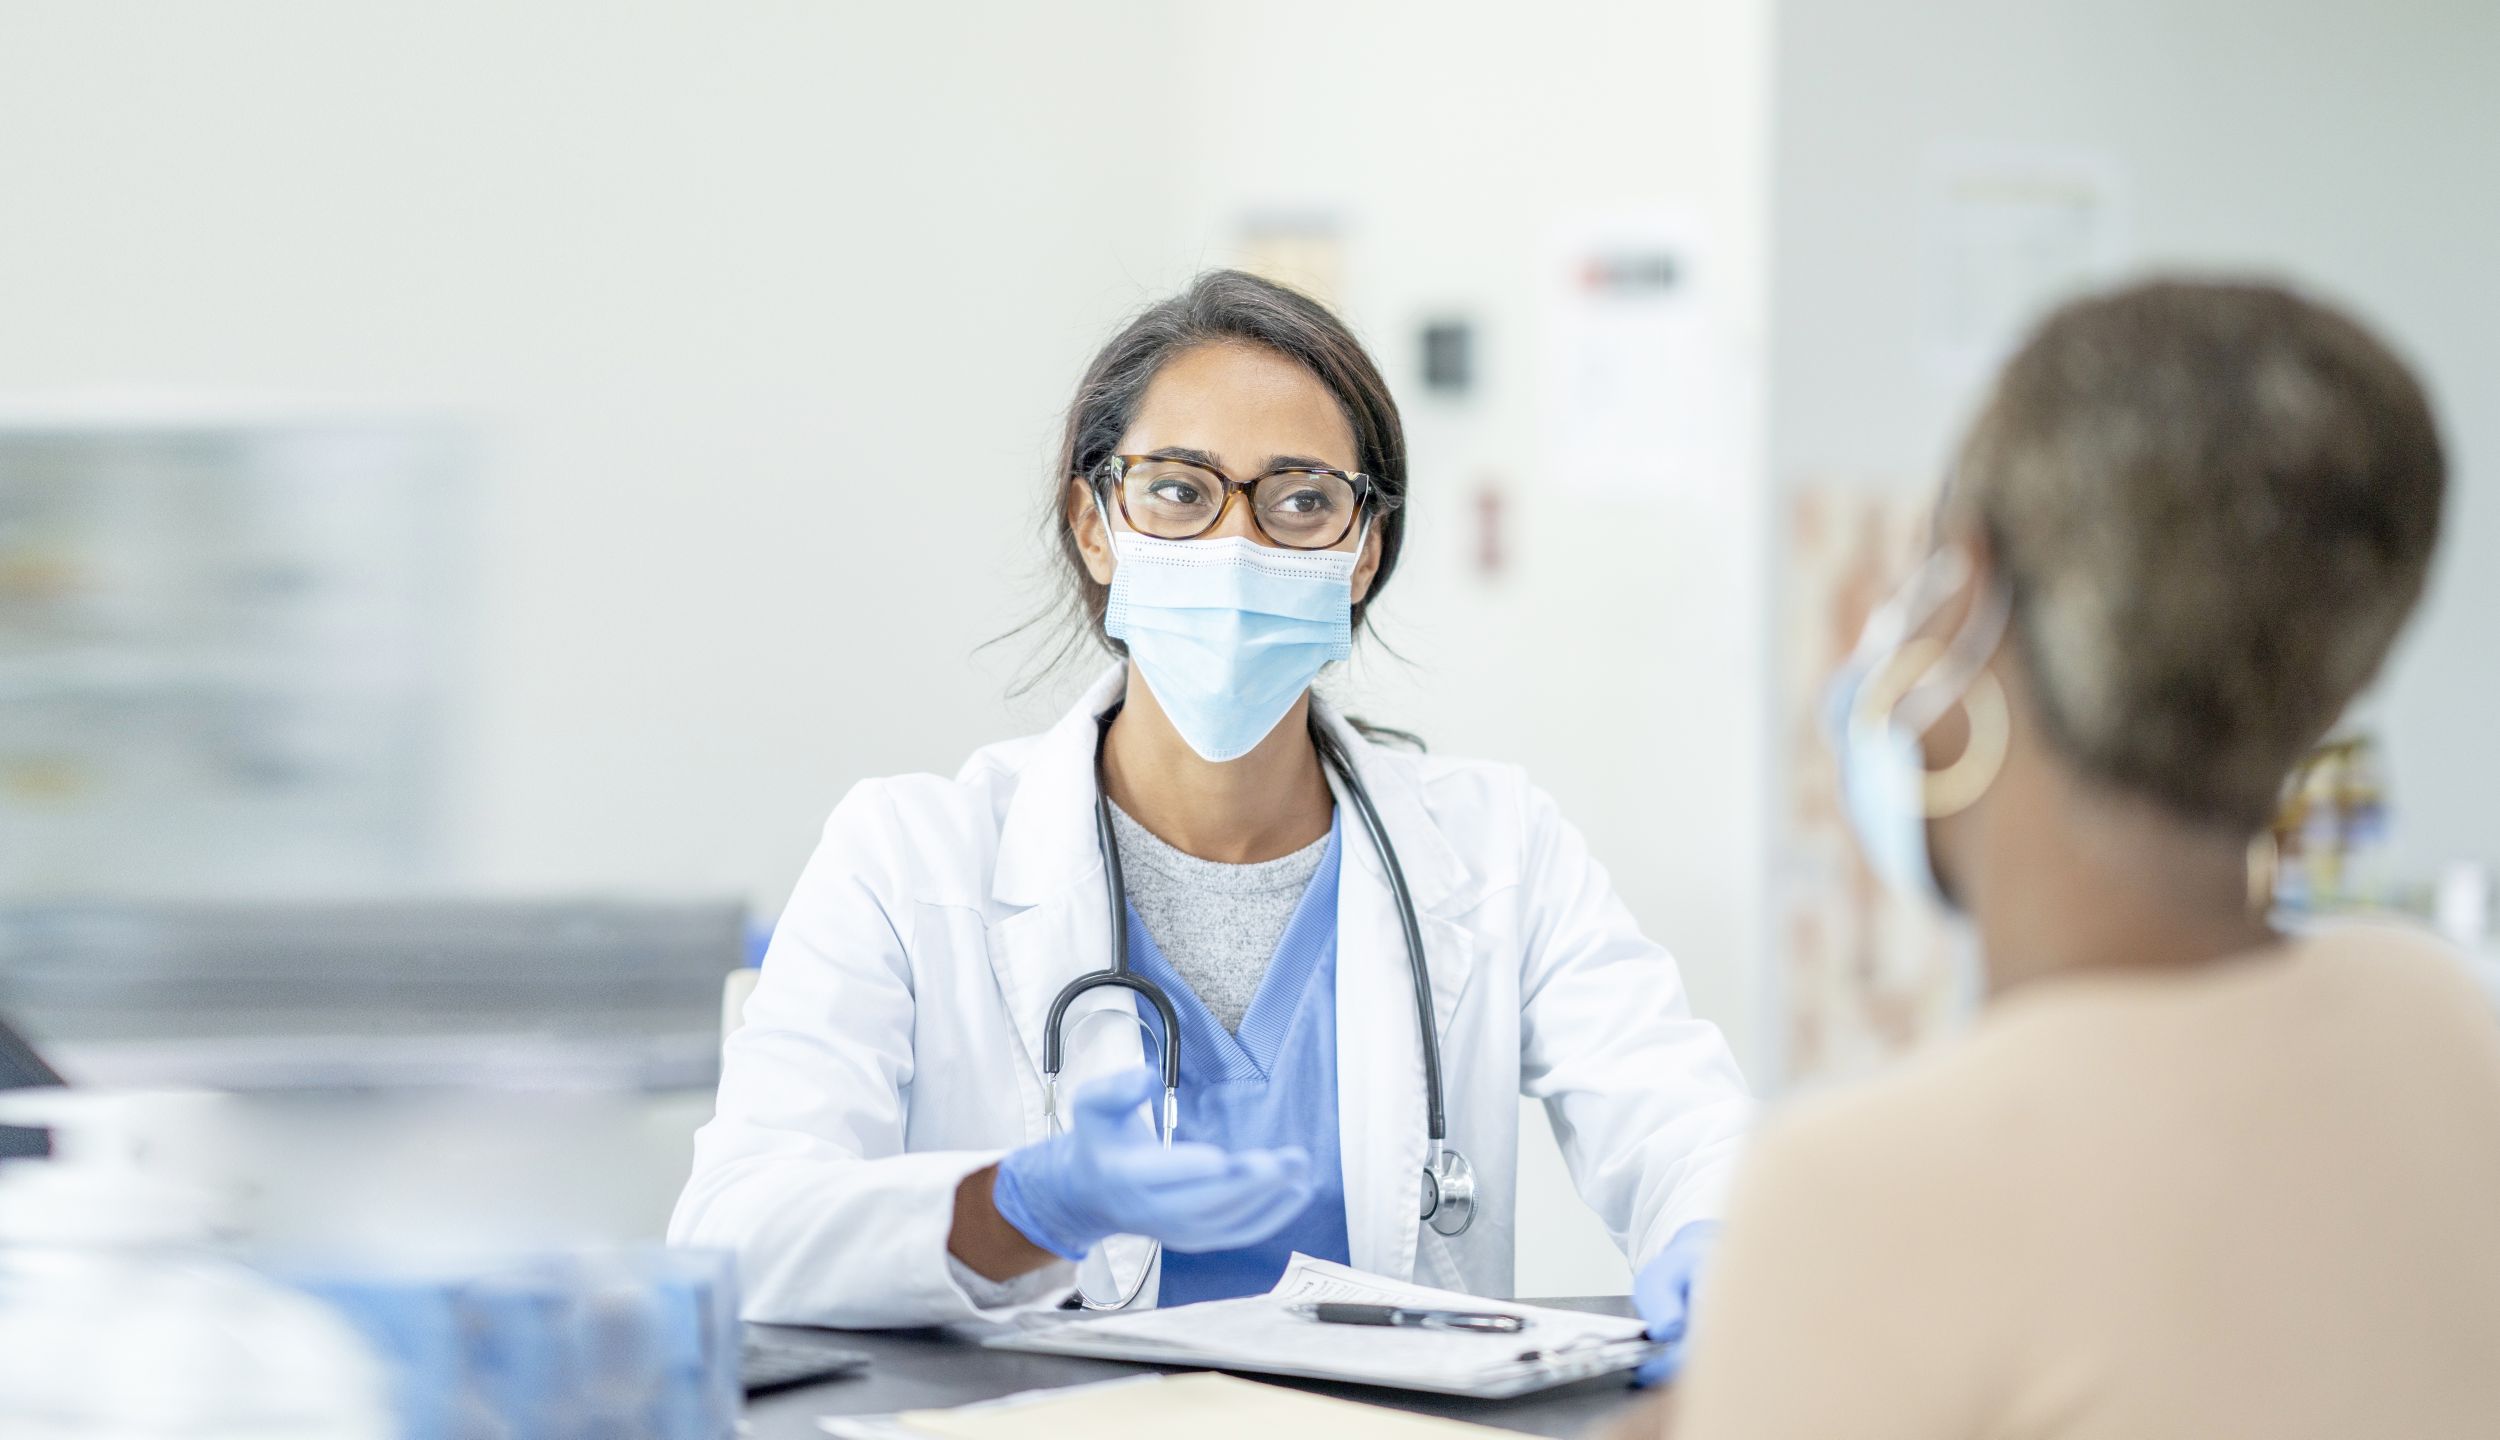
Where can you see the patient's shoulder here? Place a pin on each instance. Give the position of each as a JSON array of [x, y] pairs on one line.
[[1899, 1148], [2403, 964]]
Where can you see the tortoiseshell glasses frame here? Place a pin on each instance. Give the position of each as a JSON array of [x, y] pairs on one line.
[[1172, 498]]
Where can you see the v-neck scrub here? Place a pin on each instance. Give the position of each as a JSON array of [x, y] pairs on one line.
[[1217, 923], [1273, 1082]]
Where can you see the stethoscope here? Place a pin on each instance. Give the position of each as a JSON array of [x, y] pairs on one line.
[[1449, 1182]]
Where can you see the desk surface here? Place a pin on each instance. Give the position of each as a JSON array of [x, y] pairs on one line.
[[921, 1368]]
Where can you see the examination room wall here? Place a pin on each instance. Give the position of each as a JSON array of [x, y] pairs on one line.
[[761, 331], [758, 317], [762, 316], [2347, 146], [1613, 645]]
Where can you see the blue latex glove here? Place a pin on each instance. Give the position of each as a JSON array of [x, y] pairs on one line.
[[1109, 1175], [1663, 1293]]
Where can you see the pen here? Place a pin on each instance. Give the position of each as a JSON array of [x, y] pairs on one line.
[[1329, 1312]]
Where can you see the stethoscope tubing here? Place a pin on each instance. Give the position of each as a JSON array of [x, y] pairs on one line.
[[1119, 975], [1436, 1126]]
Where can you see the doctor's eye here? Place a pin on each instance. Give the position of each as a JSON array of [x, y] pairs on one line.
[[1306, 509], [1176, 490]]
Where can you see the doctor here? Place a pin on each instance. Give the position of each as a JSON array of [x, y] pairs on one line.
[[888, 1149]]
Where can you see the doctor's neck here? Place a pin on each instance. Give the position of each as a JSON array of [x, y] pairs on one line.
[[1266, 804]]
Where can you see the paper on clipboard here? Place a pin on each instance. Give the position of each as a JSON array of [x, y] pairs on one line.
[[1264, 1335]]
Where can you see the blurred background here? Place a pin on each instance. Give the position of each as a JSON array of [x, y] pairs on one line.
[[479, 481]]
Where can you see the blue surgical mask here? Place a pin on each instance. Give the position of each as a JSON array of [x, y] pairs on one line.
[[1883, 777], [1884, 781], [1229, 633]]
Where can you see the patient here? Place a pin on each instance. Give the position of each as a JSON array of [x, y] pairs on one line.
[[2188, 1176]]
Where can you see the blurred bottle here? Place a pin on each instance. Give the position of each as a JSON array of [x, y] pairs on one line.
[[2461, 905], [118, 1318]]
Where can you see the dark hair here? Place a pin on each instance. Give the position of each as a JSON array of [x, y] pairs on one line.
[[1224, 307], [2215, 505]]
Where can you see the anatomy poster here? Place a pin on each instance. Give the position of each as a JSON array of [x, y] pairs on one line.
[[1863, 975]]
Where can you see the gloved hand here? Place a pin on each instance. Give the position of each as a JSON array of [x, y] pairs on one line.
[[1107, 1174], [1663, 1293]]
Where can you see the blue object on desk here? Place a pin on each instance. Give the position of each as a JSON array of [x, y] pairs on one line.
[[640, 1344]]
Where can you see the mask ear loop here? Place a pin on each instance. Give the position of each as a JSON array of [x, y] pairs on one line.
[[1890, 627]]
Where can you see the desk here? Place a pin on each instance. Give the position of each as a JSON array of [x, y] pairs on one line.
[[922, 1368]]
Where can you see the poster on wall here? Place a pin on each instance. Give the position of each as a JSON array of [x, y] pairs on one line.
[[2008, 232], [1863, 974], [1639, 398], [1303, 249]]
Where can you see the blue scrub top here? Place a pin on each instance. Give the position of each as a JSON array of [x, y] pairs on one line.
[[1274, 1083]]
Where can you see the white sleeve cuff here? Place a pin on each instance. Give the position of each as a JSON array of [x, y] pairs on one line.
[[1027, 1291]]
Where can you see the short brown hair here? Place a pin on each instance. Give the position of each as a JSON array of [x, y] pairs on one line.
[[2215, 504]]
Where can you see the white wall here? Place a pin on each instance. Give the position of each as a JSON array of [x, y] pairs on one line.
[[2350, 147], [718, 279], [767, 310], [1620, 655]]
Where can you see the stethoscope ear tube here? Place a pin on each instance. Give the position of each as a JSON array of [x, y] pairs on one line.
[[1436, 1125], [1053, 1054]]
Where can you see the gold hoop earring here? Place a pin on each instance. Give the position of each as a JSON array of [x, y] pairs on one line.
[[1958, 786], [2265, 864]]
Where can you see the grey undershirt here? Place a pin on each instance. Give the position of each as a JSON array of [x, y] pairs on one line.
[[1217, 924]]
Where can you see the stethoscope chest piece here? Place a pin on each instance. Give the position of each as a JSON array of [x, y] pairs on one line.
[[1449, 1192]]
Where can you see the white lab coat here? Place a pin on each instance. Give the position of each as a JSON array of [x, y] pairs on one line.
[[893, 1043]]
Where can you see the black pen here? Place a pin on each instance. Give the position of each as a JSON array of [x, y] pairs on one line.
[[1486, 1322]]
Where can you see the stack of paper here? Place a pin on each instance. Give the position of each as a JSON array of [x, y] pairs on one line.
[[1267, 1334], [1202, 1407]]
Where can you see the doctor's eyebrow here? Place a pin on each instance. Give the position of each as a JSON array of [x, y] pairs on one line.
[[1187, 456], [1294, 462], [1191, 456]]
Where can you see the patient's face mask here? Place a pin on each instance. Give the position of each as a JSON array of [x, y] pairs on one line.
[[1892, 689], [1229, 633]]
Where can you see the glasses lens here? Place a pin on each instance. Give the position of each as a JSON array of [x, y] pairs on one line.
[[1169, 499], [1306, 509]]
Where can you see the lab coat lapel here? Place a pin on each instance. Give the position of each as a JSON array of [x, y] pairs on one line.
[[1381, 1112], [1049, 881], [1056, 928]]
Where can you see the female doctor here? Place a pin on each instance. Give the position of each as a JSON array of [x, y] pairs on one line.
[[938, 1104]]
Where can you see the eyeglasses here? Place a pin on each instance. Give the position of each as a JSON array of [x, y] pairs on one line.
[[1298, 508]]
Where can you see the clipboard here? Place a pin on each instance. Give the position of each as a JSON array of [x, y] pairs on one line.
[[1264, 1335]]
